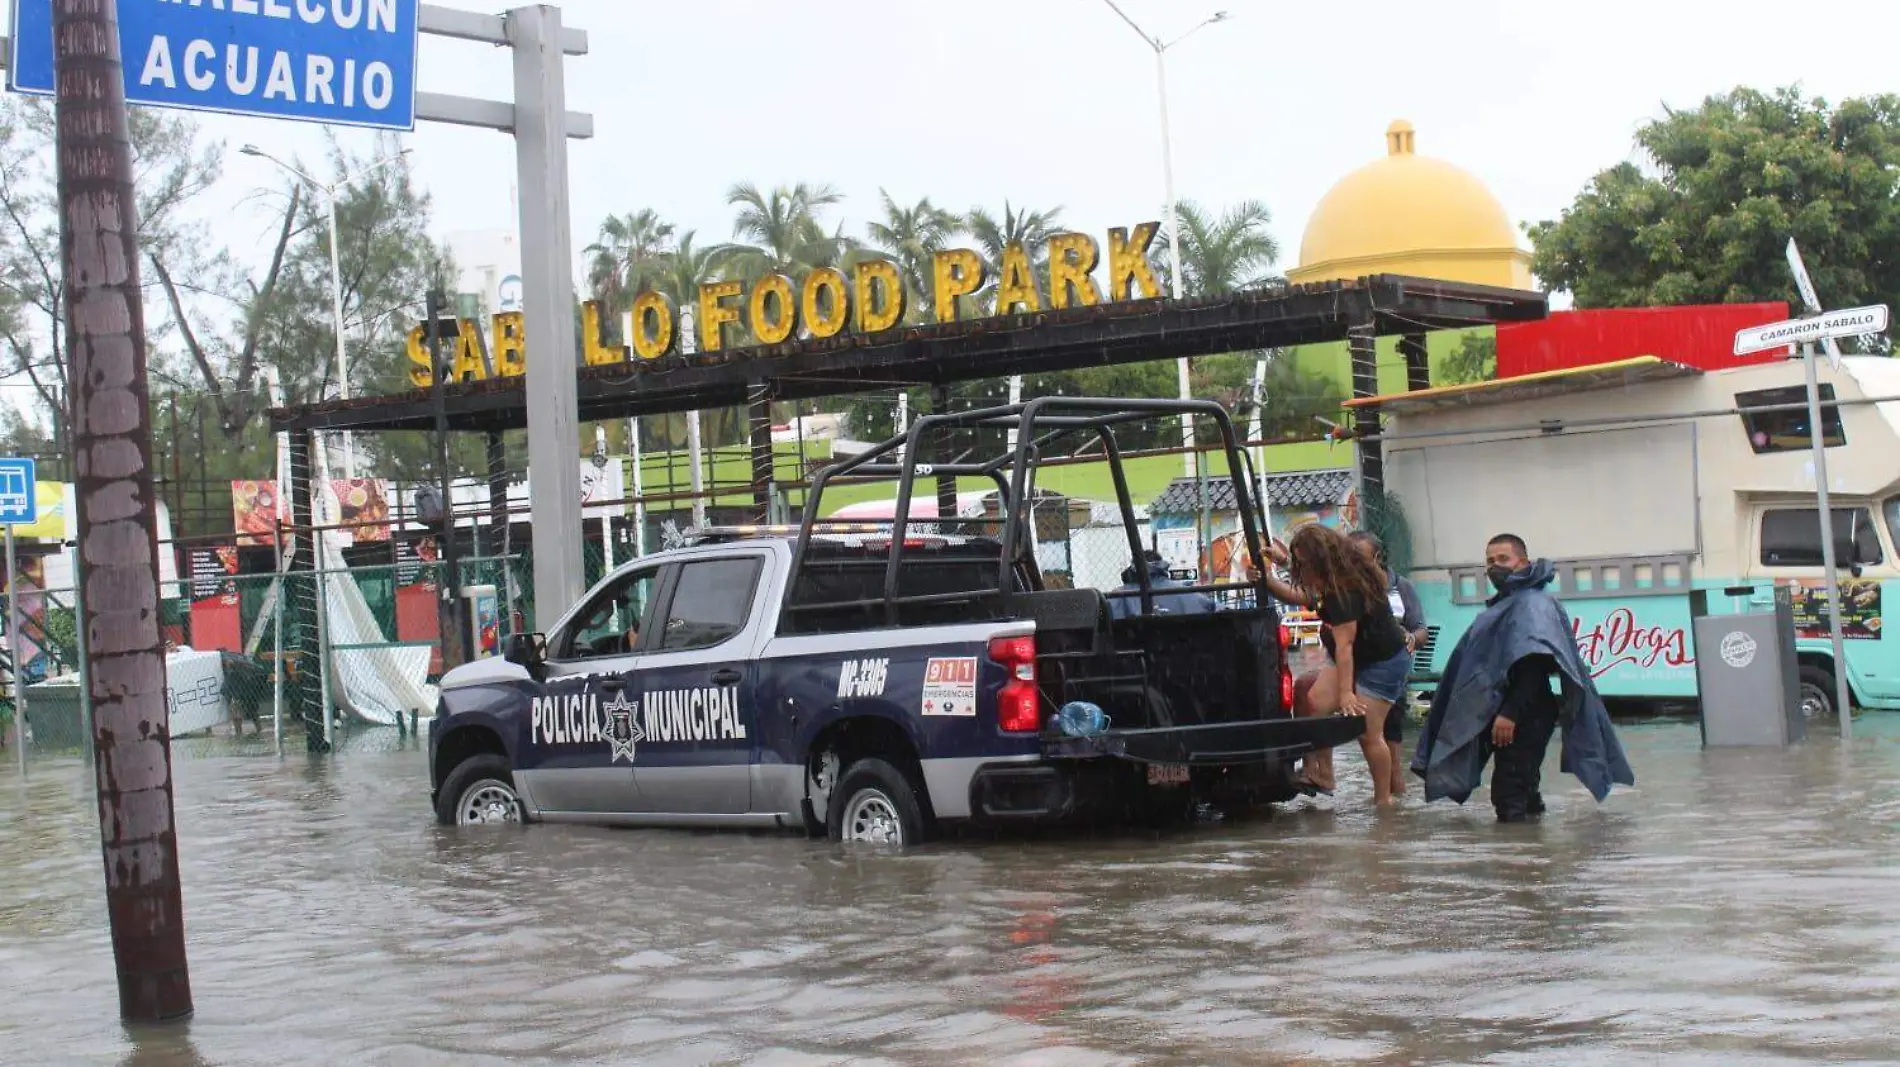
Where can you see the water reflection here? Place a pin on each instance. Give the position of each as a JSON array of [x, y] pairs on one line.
[[162, 1046], [1733, 908]]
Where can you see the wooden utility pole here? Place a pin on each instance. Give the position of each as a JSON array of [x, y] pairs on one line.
[[118, 525]]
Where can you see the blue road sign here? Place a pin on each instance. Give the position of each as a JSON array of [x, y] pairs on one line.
[[349, 62], [19, 503]]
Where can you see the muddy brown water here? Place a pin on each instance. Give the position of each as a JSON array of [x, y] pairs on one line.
[[1737, 908]]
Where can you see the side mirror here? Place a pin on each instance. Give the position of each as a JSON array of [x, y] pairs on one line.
[[529, 651]]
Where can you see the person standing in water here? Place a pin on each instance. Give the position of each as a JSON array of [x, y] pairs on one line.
[[1497, 702], [1402, 597], [1370, 662]]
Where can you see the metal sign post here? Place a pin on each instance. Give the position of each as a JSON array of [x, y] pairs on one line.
[[1819, 440], [1850, 322], [19, 505], [13, 652]]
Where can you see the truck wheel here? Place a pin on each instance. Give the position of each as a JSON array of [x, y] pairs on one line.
[[1817, 692], [875, 802], [479, 791]]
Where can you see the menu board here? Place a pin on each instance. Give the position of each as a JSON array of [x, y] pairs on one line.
[[1860, 608], [211, 571]]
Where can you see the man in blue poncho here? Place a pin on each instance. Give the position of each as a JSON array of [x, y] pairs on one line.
[[1496, 698]]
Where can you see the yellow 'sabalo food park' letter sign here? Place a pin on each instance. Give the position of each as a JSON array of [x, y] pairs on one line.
[[774, 309]]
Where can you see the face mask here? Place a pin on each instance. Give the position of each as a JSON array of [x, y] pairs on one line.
[[1498, 576]]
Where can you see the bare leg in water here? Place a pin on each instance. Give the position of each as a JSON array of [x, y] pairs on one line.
[[1314, 694], [1318, 694]]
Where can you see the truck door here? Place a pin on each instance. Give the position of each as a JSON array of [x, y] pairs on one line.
[[696, 703], [576, 760], [1788, 552]]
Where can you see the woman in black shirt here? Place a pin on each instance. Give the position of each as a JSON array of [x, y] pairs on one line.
[[1370, 661]]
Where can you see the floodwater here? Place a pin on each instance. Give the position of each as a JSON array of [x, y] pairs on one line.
[[1738, 908]]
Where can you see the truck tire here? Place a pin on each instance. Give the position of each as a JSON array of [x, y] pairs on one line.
[[1817, 692], [479, 791], [876, 803]]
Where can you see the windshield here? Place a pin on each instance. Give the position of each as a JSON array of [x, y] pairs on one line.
[[1892, 510]]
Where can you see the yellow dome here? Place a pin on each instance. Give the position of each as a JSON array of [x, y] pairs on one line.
[[1411, 214]]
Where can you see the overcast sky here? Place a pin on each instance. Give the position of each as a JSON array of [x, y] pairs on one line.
[[1052, 102]]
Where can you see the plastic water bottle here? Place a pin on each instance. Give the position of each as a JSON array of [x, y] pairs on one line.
[[1080, 718]]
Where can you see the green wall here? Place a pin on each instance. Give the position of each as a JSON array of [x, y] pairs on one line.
[[1333, 362]]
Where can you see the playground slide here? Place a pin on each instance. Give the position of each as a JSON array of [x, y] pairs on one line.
[[371, 679]]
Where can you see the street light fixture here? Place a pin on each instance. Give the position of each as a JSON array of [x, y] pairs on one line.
[[336, 271], [1167, 181]]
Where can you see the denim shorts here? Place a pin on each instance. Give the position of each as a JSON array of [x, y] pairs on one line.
[[1384, 680]]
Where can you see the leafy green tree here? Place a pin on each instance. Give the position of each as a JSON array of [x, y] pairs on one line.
[[171, 167], [1706, 216], [1475, 360], [912, 236], [1291, 399], [233, 325]]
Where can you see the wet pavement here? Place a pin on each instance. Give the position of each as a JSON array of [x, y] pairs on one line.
[[1737, 908]]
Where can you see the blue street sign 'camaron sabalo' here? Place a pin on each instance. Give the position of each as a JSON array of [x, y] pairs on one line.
[[349, 62]]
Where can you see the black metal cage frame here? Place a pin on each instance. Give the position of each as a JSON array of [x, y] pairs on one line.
[[1012, 472]]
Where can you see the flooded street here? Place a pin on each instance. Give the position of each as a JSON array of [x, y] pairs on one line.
[[1736, 908]]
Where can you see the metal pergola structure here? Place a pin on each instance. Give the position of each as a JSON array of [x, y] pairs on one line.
[[1125, 332], [1357, 312]]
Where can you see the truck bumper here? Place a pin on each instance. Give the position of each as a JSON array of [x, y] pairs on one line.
[[1105, 774], [1213, 744]]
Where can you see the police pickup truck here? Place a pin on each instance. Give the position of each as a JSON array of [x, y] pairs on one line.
[[873, 684]]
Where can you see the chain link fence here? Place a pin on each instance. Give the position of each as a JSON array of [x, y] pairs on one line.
[[244, 653]]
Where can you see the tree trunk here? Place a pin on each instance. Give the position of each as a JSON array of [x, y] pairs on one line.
[[118, 527]]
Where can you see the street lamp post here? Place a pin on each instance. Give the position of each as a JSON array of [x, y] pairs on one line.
[[1167, 188], [336, 270]]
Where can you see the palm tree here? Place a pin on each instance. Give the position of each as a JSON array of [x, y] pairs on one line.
[[1028, 228], [1234, 251], [681, 269], [677, 277], [626, 257], [778, 232], [913, 235]]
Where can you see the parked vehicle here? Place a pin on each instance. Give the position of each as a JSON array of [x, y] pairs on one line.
[[872, 683], [1643, 480]]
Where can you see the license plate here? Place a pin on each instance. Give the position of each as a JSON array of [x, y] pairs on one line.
[[1167, 774]]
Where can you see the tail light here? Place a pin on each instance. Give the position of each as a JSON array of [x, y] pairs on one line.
[[1286, 670], [1019, 705]]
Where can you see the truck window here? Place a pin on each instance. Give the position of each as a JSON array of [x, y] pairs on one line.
[[1786, 431], [711, 603], [1892, 508], [1791, 537], [611, 624]]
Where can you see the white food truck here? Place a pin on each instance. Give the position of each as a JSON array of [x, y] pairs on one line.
[[1642, 480]]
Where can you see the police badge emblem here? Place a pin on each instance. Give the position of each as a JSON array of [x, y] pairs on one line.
[[623, 727]]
